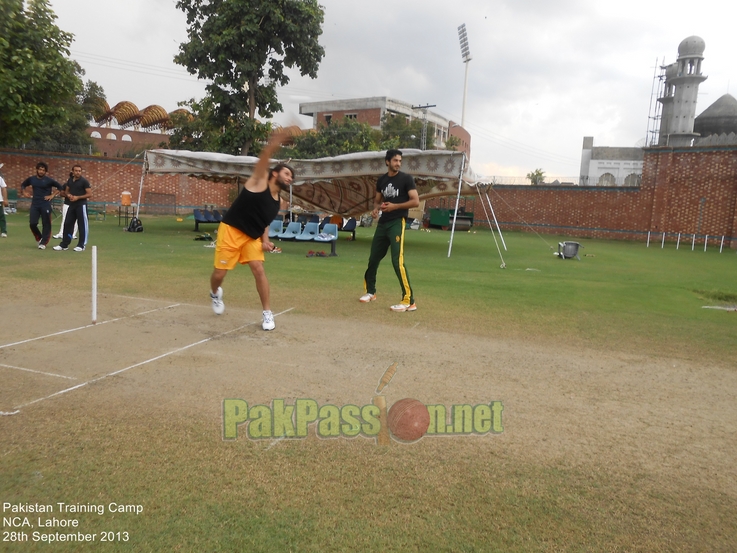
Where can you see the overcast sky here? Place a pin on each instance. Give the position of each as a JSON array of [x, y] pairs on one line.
[[544, 74]]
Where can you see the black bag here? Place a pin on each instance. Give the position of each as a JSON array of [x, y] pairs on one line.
[[135, 225]]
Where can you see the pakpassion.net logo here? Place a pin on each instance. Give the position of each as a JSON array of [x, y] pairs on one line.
[[407, 420]]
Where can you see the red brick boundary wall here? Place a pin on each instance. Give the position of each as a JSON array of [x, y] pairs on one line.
[[109, 177], [688, 191]]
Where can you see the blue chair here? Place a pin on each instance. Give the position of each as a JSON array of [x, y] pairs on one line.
[[309, 232], [291, 232], [276, 228], [209, 216], [329, 234], [218, 216]]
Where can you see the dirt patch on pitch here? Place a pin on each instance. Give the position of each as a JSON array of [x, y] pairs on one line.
[[618, 412]]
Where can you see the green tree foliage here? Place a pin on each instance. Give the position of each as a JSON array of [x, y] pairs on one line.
[[452, 143], [71, 133], [340, 137], [37, 79], [243, 48], [536, 177], [397, 132]]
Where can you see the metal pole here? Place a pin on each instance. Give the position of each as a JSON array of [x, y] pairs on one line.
[[722, 244], [662, 242], [94, 285], [648, 239], [495, 221], [465, 89], [706, 240], [458, 201], [140, 187], [679, 240]]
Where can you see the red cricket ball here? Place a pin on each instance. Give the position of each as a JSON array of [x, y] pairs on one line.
[[408, 419]]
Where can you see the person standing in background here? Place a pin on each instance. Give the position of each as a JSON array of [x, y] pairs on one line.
[[77, 191], [42, 192]]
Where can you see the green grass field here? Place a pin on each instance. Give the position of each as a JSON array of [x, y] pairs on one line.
[[203, 494], [621, 295]]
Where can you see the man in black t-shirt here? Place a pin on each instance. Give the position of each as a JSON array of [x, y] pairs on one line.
[[77, 191], [395, 195], [42, 192], [243, 235]]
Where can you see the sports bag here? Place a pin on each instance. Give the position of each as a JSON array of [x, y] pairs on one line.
[[135, 225]]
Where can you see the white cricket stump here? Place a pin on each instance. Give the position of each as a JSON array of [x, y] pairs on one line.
[[94, 285]]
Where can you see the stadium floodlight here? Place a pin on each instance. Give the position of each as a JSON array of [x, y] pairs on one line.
[[466, 53]]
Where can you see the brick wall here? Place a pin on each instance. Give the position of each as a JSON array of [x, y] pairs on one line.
[[109, 177], [690, 190]]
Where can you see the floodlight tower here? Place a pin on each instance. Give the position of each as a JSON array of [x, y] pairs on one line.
[[466, 53]]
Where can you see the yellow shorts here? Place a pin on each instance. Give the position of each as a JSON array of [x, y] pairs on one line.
[[234, 246]]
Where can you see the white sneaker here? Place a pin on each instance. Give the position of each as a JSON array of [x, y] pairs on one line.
[[367, 298], [402, 307], [78, 249], [59, 248], [217, 302], [41, 247], [58, 236], [268, 323], [3, 235]]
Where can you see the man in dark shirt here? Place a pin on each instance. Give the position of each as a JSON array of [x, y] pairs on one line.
[[395, 195], [42, 193], [243, 235], [77, 191]]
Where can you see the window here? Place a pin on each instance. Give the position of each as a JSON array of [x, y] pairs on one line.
[[111, 136], [353, 116], [328, 119], [127, 138], [95, 134]]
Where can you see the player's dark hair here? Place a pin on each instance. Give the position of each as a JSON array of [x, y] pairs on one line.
[[76, 165], [391, 153], [42, 164], [281, 166]]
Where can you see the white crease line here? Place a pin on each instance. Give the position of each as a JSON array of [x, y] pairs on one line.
[[87, 326], [37, 372], [19, 407]]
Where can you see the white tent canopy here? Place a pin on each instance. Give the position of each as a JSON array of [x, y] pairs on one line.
[[344, 185]]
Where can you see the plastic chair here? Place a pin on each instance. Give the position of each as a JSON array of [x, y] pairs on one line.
[[291, 232], [275, 228], [209, 216], [309, 232], [329, 234], [218, 216]]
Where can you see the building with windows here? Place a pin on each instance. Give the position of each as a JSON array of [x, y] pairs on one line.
[[373, 110], [610, 165]]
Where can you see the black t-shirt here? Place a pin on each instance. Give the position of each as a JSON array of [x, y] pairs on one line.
[[77, 187], [395, 190], [252, 212], [41, 187]]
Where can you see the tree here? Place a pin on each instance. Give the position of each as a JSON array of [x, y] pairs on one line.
[[71, 133], [243, 47], [452, 143], [398, 133], [37, 79], [340, 137], [536, 177]]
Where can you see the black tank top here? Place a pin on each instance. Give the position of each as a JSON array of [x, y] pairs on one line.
[[252, 212]]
